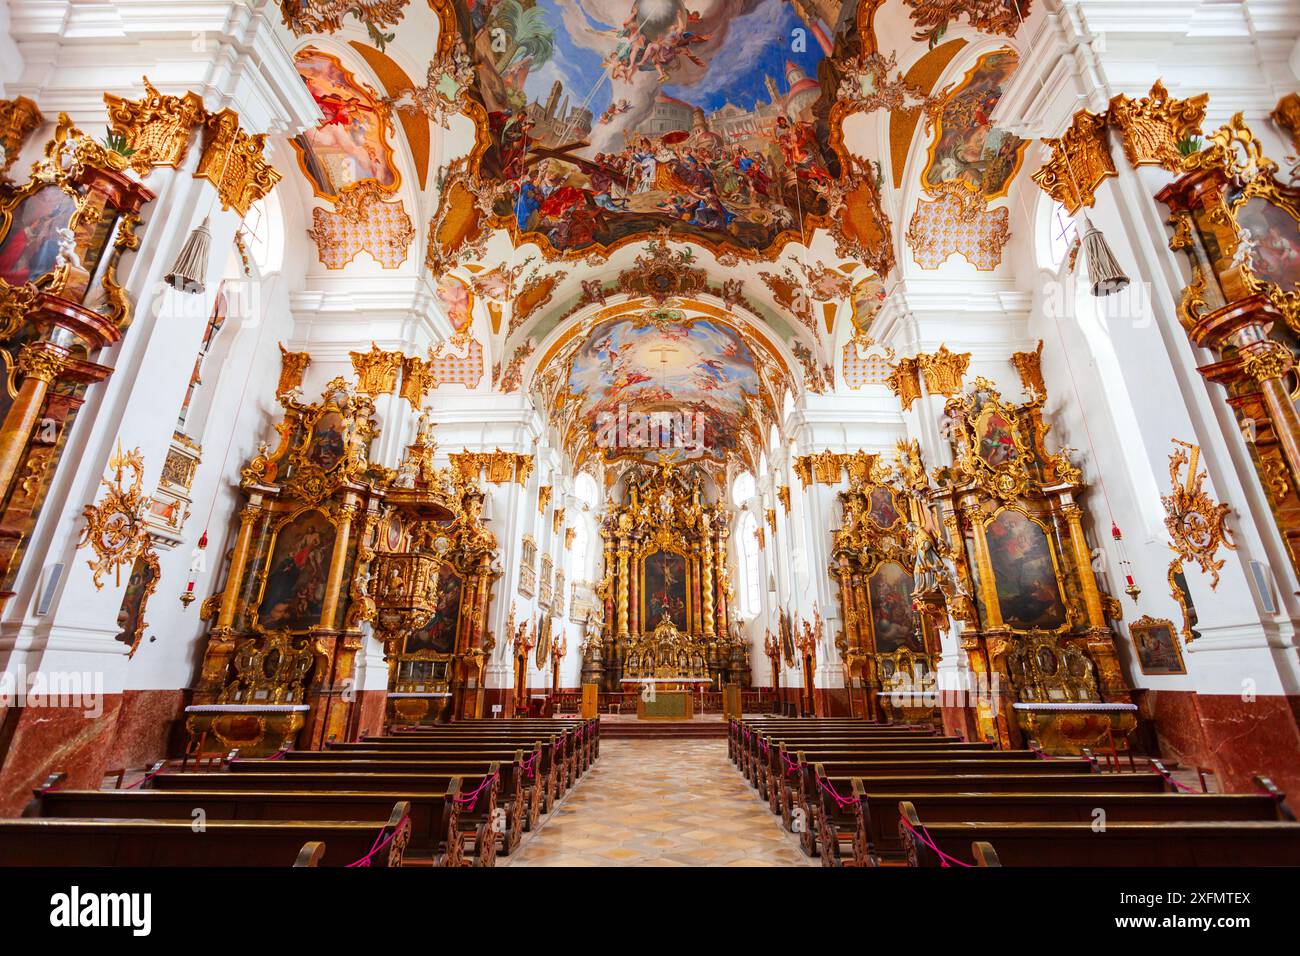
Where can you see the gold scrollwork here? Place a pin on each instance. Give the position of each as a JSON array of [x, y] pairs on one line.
[[1079, 162], [1152, 128], [233, 162], [157, 128], [292, 367], [115, 527], [376, 370], [1195, 521], [943, 370]]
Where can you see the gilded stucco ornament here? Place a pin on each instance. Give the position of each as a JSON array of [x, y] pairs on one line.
[[1196, 522], [232, 160], [904, 381], [1078, 163], [155, 129], [292, 367], [1151, 129], [376, 370], [943, 370], [18, 118], [115, 527]]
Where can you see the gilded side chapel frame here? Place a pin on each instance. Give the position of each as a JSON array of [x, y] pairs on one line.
[[104, 212], [864, 549], [998, 448]]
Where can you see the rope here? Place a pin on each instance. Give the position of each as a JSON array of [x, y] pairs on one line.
[[381, 841], [790, 765], [145, 779], [1169, 778], [829, 788], [530, 764], [944, 859], [470, 799]]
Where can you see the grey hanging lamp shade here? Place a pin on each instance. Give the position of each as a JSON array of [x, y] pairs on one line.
[[191, 265], [1103, 269]]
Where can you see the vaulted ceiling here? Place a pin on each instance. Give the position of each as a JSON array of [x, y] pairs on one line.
[[774, 161]]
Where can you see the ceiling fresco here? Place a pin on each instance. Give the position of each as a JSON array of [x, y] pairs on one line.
[[733, 163], [659, 382]]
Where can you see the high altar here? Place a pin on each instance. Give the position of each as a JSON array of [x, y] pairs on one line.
[[666, 594]]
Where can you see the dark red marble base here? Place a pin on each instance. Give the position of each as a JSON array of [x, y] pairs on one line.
[[50, 739], [1236, 739], [369, 712], [150, 726], [960, 722]]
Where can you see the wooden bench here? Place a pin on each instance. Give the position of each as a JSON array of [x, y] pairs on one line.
[[796, 787], [434, 817], [513, 792], [558, 752], [845, 833], [771, 765], [52, 841], [882, 824], [1168, 844], [570, 759]]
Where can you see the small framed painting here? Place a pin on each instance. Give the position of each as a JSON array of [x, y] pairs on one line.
[[1157, 647]]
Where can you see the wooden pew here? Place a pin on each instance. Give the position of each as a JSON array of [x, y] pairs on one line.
[[845, 833], [796, 787], [771, 766], [559, 764], [434, 817], [49, 841], [561, 760], [1170, 844], [882, 822], [512, 791], [524, 774]]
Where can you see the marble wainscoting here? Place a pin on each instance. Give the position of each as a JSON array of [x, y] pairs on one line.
[[1237, 739]]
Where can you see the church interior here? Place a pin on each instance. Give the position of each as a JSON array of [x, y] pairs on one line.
[[643, 433]]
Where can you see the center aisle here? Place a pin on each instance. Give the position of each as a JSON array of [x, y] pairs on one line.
[[661, 803]]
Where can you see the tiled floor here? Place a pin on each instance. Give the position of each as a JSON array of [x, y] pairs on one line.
[[661, 803]]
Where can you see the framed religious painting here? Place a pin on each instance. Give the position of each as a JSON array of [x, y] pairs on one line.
[[139, 587], [30, 234], [293, 594], [439, 634], [894, 624], [1025, 572], [882, 508], [664, 590], [1156, 645]]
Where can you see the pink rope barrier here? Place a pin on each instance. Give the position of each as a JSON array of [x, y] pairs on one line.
[[381, 841], [470, 799], [829, 789], [1169, 778], [790, 765], [146, 778], [925, 838], [530, 764]]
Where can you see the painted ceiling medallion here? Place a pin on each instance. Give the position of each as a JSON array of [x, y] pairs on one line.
[[353, 142], [605, 122]]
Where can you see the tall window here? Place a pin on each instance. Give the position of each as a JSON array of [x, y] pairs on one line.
[[742, 489], [751, 569]]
